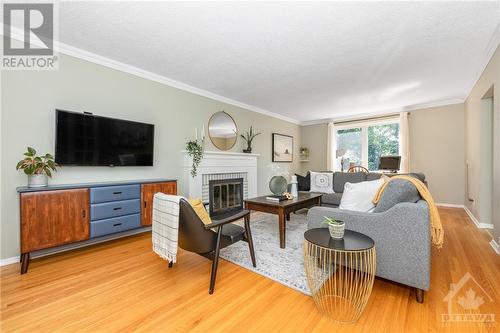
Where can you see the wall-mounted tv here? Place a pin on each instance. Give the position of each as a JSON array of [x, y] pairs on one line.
[[89, 140]]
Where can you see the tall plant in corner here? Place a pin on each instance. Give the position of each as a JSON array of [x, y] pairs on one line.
[[195, 151], [37, 167]]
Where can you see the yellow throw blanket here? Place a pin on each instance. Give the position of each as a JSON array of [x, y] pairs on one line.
[[437, 232]]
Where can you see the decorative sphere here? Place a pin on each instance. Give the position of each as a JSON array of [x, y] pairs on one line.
[[278, 185]]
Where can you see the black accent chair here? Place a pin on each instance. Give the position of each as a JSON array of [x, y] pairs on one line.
[[207, 240]]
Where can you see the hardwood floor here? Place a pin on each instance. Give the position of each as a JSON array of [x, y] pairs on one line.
[[124, 286]]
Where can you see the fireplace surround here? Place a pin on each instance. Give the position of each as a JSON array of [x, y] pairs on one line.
[[218, 166]]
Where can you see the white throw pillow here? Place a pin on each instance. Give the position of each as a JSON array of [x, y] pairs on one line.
[[359, 196], [321, 182]]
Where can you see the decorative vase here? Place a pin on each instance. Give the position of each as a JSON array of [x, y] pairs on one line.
[[337, 230], [278, 185], [248, 150], [37, 180], [294, 189]]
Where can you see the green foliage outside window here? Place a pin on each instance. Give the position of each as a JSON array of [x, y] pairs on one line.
[[383, 140]]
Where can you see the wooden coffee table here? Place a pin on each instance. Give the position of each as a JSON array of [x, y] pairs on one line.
[[283, 208]]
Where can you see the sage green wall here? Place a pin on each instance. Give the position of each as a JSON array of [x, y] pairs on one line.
[[315, 138], [488, 85], [30, 97], [437, 141]]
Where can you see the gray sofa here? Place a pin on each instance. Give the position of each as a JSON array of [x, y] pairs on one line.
[[401, 230], [340, 178]]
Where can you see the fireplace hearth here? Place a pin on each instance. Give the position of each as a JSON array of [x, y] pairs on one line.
[[226, 196]]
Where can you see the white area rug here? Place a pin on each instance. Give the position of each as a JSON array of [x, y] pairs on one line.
[[285, 266]]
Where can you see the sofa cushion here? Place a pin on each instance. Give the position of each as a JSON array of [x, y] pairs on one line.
[[304, 182], [373, 176], [332, 199], [340, 178], [359, 196], [396, 191], [321, 182]]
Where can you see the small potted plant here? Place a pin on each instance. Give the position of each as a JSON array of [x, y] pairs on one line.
[[336, 227], [249, 138], [38, 168], [304, 152]]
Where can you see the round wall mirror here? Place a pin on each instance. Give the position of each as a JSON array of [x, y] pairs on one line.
[[222, 130]]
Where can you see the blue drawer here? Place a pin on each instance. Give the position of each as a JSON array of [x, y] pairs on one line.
[[114, 193], [114, 208], [115, 224]]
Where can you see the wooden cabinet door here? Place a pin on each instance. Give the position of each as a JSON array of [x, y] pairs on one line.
[[147, 193], [52, 218]]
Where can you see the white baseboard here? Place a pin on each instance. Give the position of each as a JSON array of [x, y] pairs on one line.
[[495, 246], [9, 261], [476, 221], [440, 204]]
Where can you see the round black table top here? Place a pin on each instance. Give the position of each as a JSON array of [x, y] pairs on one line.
[[352, 241]]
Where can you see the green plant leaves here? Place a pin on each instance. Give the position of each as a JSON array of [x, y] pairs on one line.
[[331, 221], [34, 164], [195, 150]]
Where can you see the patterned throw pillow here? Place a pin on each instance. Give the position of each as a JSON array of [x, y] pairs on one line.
[[322, 182]]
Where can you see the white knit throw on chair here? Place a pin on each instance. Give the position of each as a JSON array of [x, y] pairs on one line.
[[166, 225]]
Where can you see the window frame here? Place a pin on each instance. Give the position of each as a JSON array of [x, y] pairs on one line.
[[364, 134]]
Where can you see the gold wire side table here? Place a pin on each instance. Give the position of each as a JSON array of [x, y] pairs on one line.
[[340, 272]]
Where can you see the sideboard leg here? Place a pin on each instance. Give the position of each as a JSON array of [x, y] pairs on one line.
[[25, 261]]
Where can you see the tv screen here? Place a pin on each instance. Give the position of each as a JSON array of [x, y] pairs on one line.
[[86, 139]]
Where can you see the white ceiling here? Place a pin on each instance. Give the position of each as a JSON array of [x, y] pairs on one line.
[[305, 61]]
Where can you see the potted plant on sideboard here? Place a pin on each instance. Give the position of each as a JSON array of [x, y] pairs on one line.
[[38, 168]]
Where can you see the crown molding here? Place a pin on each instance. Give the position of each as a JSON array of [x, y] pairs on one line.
[[72, 51], [384, 112], [490, 49]]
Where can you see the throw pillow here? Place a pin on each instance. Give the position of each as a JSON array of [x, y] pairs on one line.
[[200, 210], [304, 182], [359, 196], [398, 190], [321, 182]]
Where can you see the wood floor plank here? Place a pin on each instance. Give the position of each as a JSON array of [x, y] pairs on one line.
[[122, 286]]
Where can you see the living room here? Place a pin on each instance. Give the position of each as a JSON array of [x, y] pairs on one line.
[[373, 121]]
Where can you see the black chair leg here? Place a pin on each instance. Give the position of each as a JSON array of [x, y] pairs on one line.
[[215, 262], [249, 239]]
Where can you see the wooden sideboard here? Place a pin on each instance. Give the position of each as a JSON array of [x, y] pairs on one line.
[[58, 215]]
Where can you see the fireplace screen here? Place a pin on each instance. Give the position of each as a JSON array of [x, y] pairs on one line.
[[226, 196]]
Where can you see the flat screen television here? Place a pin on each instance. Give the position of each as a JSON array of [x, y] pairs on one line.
[[89, 140]]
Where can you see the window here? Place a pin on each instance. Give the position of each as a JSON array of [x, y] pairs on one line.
[[351, 140], [383, 140], [366, 142]]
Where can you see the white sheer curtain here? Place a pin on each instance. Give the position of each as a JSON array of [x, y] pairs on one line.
[[404, 142], [331, 157]]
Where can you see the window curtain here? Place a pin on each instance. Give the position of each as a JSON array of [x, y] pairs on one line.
[[331, 157], [404, 142]]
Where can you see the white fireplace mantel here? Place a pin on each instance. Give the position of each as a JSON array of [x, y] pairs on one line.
[[219, 162]]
